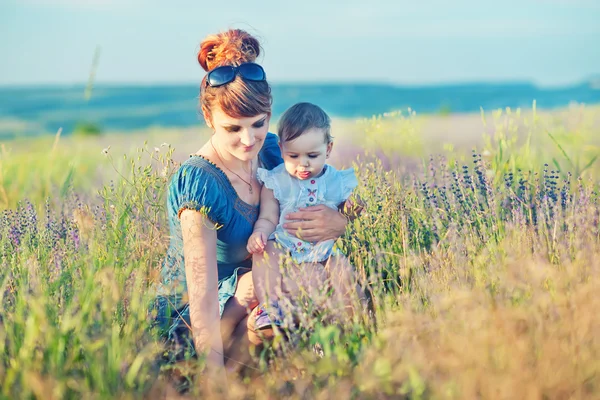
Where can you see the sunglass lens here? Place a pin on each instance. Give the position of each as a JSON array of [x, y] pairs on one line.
[[252, 72], [221, 75]]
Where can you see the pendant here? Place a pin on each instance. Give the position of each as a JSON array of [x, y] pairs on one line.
[[250, 189]]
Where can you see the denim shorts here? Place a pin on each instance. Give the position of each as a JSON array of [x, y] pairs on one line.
[[173, 317]]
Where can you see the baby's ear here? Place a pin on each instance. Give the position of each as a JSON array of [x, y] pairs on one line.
[[329, 147]]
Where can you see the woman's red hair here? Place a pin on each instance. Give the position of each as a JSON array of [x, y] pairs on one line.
[[239, 98]]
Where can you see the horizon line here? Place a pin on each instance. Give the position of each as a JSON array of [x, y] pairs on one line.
[[491, 82]]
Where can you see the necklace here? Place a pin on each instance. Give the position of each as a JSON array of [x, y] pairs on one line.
[[223, 163]]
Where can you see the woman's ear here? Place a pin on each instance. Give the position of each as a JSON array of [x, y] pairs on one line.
[[207, 117], [329, 147]]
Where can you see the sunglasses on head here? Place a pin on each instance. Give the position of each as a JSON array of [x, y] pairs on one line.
[[225, 74]]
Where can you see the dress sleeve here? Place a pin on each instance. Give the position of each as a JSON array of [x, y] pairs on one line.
[[196, 188], [348, 182], [269, 179], [270, 154]]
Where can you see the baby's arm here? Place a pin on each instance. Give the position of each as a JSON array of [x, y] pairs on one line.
[[266, 223]]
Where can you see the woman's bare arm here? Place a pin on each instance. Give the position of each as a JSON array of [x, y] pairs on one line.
[[200, 254]]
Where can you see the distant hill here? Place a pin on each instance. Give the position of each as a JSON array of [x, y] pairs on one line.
[[594, 82], [39, 110]]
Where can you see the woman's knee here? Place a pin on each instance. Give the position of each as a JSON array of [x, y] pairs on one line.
[[255, 337]]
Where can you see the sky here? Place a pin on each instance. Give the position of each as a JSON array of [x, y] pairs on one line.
[[547, 42]]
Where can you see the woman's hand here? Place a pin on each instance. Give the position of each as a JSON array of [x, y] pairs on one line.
[[316, 224]]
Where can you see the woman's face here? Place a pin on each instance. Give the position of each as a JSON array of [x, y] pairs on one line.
[[242, 138]]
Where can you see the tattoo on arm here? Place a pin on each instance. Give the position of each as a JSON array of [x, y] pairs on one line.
[[199, 245]]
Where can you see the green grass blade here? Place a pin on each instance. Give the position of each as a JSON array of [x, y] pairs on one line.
[[589, 164], [556, 164], [67, 183], [561, 149]]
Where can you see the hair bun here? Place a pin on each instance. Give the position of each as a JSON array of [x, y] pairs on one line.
[[233, 47]]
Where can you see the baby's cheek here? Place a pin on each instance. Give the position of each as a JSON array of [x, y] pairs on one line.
[[290, 167]]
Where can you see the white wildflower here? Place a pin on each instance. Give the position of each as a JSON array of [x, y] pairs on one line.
[[105, 151], [156, 150], [165, 145]]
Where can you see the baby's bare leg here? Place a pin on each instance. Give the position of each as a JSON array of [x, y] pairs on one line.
[[266, 274], [275, 276], [347, 291], [306, 286], [305, 278]]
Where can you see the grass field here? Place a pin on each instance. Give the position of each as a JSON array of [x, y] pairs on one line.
[[479, 245]]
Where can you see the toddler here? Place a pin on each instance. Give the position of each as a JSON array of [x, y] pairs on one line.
[[304, 179]]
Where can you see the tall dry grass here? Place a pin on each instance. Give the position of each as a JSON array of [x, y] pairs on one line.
[[482, 267]]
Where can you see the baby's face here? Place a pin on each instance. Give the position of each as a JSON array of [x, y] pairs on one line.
[[305, 156]]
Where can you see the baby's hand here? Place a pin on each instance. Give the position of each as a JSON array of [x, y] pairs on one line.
[[353, 206], [257, 243]]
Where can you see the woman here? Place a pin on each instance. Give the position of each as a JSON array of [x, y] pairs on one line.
[[213, 203]]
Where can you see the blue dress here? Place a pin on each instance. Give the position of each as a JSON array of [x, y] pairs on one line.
[[200, 185], [331, 188]]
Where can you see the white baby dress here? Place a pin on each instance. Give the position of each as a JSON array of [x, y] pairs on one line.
[[331, 188]]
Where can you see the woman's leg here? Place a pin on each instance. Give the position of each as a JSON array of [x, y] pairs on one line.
[[246, 341], [237, 324], [237, 309], [238, 351]]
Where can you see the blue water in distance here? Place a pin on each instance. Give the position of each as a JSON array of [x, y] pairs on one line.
[[136, 107]]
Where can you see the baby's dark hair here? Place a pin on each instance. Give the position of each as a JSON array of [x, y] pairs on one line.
[[301, 117]]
